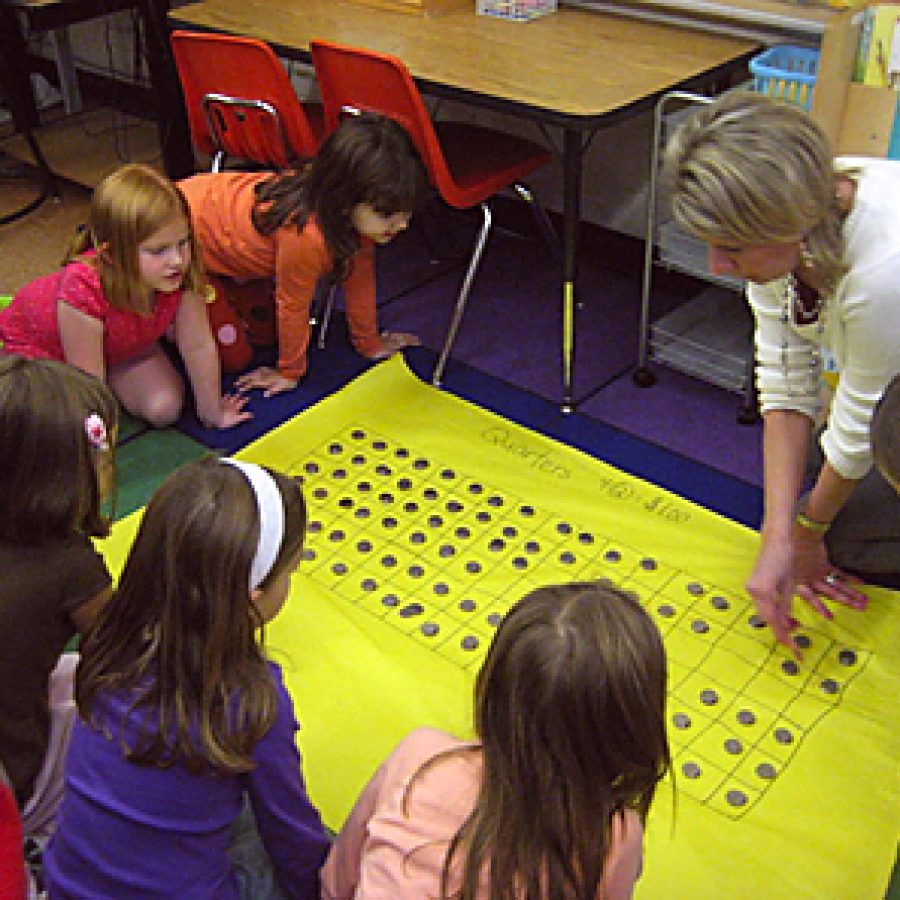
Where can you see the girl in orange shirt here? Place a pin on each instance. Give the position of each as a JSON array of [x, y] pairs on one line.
[[323, 220]]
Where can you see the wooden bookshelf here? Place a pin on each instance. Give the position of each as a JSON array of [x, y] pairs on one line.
[[858, 118]]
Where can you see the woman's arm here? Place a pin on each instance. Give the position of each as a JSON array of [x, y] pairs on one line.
[[81, 337], [814, 573], [793, 557], [786, 435], [197, 347]]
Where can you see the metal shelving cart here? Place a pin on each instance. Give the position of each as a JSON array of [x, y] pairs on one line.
[[710, 336]]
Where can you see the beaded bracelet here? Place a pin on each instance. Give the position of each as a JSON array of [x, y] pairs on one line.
[[804, 521]]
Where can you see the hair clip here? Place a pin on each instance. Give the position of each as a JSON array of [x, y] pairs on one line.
[[95, 429]]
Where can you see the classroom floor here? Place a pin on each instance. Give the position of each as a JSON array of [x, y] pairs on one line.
[[515, 302]]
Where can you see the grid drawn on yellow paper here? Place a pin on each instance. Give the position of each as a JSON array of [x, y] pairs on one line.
[[429, 517]]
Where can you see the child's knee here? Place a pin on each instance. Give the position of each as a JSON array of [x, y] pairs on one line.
[[161, 409]]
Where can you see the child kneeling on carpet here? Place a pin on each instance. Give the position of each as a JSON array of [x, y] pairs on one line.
[[298, 227], [58, 463], [183, 777], [106, 310], [551, 798]]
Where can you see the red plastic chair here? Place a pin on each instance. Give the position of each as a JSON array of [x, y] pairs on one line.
[[467, 163], [241, 103]]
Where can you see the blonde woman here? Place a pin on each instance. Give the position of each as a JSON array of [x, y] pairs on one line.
[[818, 241]]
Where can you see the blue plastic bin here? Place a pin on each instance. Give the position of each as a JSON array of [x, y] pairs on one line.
[[787, 73]]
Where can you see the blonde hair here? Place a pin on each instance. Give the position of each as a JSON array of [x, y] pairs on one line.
[[127, 208], [749, 170]]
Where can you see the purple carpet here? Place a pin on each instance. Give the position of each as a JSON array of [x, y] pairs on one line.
[[512, 331]]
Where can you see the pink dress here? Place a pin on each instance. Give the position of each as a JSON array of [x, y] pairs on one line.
[[29, 327], [393, 844]]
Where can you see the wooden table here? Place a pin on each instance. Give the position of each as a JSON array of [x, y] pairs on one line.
[[576, 69], [53, 16]]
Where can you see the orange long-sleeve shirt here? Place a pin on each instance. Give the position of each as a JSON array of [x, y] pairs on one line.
[[221, 204]]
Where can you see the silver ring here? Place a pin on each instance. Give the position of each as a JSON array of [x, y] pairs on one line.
[[831, 579]]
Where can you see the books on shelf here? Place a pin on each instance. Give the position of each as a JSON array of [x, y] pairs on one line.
[[878, 55]]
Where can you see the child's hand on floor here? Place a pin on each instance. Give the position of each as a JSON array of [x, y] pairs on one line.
[[392, 341], [270, 380], [231, 412]]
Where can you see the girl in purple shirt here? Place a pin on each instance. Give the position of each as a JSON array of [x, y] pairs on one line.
[[184, 760]]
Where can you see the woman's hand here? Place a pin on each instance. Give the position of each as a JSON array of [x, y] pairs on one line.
[[799, 566], [817, 579], [231, 412], [771, 585], [270, 380], [392, 341]]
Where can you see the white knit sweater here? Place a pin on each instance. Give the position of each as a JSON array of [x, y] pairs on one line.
[[860, 328]]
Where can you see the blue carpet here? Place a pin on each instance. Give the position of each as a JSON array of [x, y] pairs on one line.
[[334, 367], [329, 370], [512, 331], [681, 434]]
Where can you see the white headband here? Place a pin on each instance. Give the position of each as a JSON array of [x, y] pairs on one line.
[[270, 505]]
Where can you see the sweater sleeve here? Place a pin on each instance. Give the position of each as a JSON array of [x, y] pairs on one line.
[[341, 873], [360, 299], [787, 367], [289, 825], [301, 259], [867, 328]]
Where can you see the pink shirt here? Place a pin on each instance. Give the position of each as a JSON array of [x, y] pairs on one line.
[[29, 326], [386, 852]]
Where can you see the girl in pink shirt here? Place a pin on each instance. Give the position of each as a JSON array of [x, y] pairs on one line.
[[550, 800], [105, 312]]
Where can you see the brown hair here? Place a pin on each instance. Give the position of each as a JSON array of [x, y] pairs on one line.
[[749, 170], [885, 432], [570, 712], [128, 207], [50, 486], [368, 158], [180, 631]]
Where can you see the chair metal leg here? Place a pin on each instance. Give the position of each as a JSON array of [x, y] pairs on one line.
[[327, 310], [749, 414], [545, 226], [463, 295]]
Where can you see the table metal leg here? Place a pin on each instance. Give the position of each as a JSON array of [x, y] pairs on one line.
[[16, 92], [174, 135], [573, 152]]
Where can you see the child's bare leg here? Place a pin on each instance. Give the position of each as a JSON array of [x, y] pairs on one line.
[[149, 387]]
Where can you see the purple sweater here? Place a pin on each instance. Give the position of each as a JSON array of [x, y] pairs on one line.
[[133, 831]]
